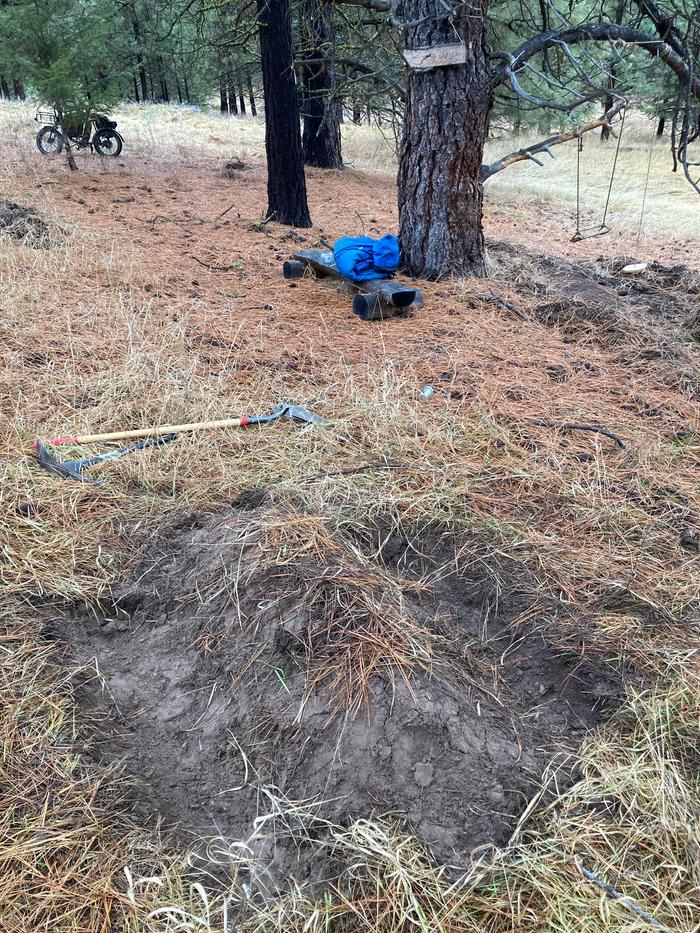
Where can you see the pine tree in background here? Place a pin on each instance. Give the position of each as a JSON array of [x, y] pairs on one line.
[[66, 52]]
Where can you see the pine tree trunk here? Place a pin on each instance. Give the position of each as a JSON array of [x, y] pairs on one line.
[[447, 109], [241, 99], [223, 96], [163, 81], [608, 103], [232, 102], [321, 137], [660, 126], [286, 184], [144, 83], [139, 59], [4, 88], [19, 89], [70, 158], [251, 95]]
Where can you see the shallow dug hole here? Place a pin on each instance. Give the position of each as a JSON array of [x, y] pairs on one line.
[[228, 661]]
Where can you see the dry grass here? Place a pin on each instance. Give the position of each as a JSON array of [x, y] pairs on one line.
[[590, 532], [671, 206], [158, 132], [163, 133], [359, 628]]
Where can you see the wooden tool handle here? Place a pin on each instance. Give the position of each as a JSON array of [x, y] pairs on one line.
[[156, 431]]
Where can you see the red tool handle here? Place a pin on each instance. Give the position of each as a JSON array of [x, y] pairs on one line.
[[62, 439]]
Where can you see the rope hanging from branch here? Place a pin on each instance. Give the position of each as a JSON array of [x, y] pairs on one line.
[[603, 228]]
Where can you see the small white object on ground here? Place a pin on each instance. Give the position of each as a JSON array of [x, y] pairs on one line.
[[635, 268], [428, 392]]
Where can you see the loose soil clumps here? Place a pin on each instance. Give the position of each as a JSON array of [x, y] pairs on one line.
[[647, 320], [260, 649], [23, 223]]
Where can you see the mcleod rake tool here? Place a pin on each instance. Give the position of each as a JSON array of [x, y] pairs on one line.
[[152, 437]]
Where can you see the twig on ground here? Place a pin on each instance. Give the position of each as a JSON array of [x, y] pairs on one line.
[[215, 268], [171, 220], [571, 426], [629, 904], [223, 213], [501, 302]]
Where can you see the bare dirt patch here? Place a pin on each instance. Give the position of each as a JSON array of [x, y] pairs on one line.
[[221, 663]]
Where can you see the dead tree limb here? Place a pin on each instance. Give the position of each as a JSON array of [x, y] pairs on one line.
[[366, 71], [530, 152], [380, 6]]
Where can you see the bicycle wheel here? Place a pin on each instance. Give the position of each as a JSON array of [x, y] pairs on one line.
[[49, 140], [107, 142]]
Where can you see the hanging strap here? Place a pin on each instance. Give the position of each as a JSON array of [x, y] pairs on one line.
[[612, 174], [646, 185], [603, 228]]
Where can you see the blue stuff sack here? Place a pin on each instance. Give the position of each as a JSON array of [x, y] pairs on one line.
[[361, 258]]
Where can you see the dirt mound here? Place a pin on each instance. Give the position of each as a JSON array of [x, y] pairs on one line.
[[230, 661], [232, 167], [650, 319], [23, 223]]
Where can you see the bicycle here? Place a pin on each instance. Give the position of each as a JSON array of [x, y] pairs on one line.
[[99, 133]]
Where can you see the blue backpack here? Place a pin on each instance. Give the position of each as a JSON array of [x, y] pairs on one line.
[[360, 258]]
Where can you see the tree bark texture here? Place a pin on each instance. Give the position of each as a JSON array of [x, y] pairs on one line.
[[286, 184], [321, 137], [447, 110]]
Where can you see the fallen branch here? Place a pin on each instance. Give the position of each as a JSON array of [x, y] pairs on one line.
[[571, 426], [170, 220]]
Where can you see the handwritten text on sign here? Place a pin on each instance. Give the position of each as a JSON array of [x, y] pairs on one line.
[[436, 56]]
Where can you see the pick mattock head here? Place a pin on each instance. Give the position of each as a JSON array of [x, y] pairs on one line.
[[295, 413], [66, 469]]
